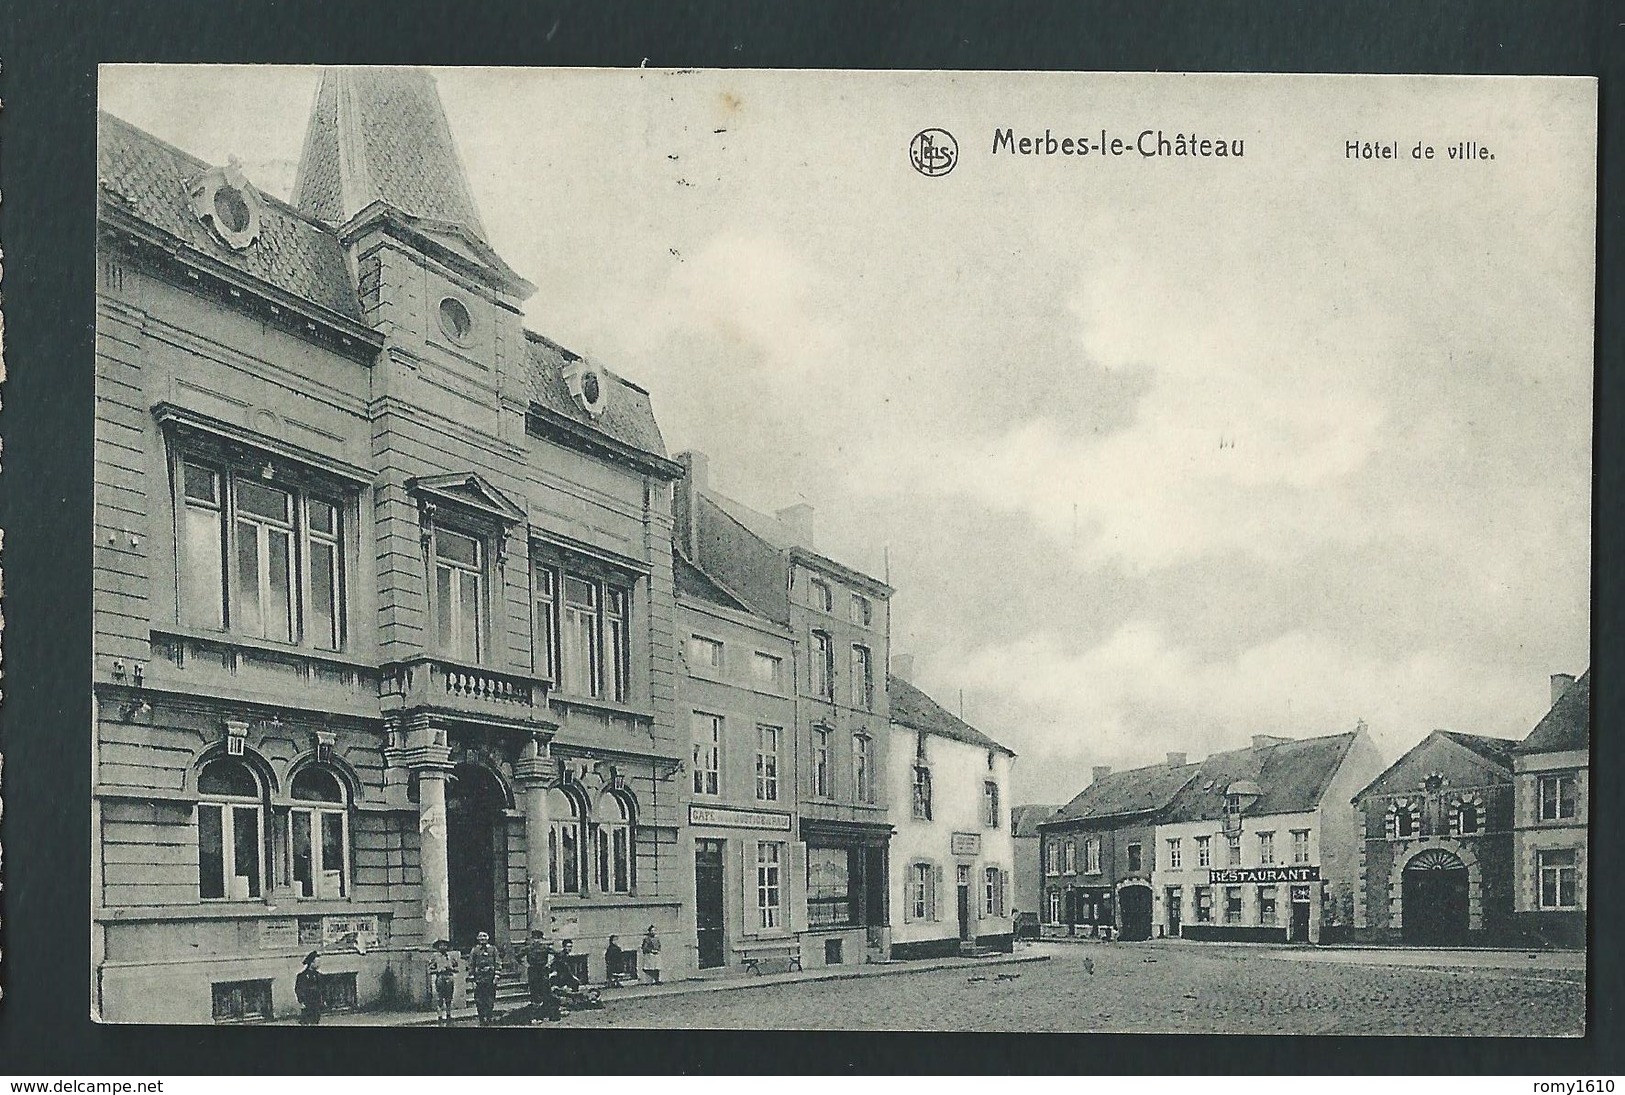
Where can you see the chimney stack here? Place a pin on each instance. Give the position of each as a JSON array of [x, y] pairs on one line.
[[696, 478], [799, 520], [902, 667], [1099, 772], [1176, 760], [1560, 685]]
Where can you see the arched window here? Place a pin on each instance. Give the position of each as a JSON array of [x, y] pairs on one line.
[[563, 843], [318, 835], [612, 840], [1403, 821], [1467, 819], [230, 831]]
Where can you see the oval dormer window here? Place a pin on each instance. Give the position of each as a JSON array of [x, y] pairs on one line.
[[455, 320], [225, 201], [591, 390]]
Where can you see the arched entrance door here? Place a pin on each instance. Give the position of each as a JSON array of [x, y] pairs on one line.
[[1434, 899], [1135, 903], [476, 852]]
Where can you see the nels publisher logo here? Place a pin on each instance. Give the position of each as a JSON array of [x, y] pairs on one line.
[[933, 152]]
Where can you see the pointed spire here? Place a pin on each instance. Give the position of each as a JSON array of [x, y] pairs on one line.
[[380, 134]]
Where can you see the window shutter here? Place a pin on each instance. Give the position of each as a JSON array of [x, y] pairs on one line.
[[1004, 893], [747, 880], [795, 885], [935, 897], [908, 894]]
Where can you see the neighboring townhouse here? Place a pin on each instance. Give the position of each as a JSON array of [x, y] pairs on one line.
[[1027, 888], [953, 854], [1436, 860], [1552, 774], [737, 690], [1263, 843], [384, 610], [840, 618], [1100, 850]]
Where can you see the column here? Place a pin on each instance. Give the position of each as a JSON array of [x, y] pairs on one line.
[[432, 854], [534, 775]]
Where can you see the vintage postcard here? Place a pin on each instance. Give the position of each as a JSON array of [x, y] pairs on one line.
[[875, 550]]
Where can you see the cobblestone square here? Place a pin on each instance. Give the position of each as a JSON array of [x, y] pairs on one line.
[[1165, 987]]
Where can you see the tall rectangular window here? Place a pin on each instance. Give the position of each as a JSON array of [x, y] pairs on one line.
[[1557, 797], [922, 891], [820, 763], [459, 600], [1266, 906], [265, 581], [1300, 845], [1266, 849], [1174, 862], [1204, 851], [863, 778], [990, 804], [769, 906], [229, 841], [823, 667], [922, 793], [863, 684], [547, 623], [1234, 842], [767, 763], [1136, 858], [324, 620], [829, 886], [1232, 904], [704, 653], [1091, 856], [1559, 879], [1204, 904], [1071, 857], [819, 592], [707, 753], [203, 574], [992, 893], [618, 644], [583, 654]]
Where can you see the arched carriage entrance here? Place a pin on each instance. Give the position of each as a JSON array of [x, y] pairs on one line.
[[1134, 902], [1434, 898], [476, 853]]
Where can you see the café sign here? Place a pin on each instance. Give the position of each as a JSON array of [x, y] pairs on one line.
[[1232, 875], [728, 818]]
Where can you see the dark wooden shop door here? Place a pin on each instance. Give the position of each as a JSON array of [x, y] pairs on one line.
[[708, 915]]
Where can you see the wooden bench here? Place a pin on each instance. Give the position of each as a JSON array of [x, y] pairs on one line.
[[752, 955]]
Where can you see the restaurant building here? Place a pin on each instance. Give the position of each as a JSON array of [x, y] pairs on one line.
[[1262, 844], [1100, 851], [383, 584], [840, 620], [953, 854], [1552, 776], [1436, 859], [737, 692]]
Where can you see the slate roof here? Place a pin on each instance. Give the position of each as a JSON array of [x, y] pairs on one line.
[[780, 536], [1567, 725], [693, 582], [1025, 820], [912, 708], [148, 179], [1498, 751], [397, 148], [1292, 776], [1133, 791]]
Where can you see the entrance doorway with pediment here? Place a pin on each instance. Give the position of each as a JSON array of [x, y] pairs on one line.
[[476, 854]]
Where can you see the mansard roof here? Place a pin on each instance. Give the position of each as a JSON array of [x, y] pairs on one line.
[[912, 708], [1567, 726], [149, 180]]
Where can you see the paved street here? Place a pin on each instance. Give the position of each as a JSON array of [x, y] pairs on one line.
[[1165, 987]]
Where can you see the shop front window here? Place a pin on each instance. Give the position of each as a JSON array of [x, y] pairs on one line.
[[829, 887], [1232, 904], [1204, 904], [1266, 906]]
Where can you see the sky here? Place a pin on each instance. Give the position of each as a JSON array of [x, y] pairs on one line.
[[1159, 453]]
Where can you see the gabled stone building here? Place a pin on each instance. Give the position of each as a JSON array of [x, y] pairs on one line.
[[1552, 773], [384, 596]]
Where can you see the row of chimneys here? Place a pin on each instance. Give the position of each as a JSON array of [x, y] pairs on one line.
[[797, 519], [1179, 760]]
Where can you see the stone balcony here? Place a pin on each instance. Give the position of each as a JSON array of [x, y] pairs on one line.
[[464, 693]]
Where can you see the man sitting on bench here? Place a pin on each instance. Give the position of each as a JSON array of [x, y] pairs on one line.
[[567, 980]]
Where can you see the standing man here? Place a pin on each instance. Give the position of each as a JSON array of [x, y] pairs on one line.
[[651, 954], [539, 963], [484, 963], [443, 968], [307, 988]]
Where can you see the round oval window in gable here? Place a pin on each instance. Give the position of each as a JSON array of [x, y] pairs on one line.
[[231, 210], [590, 389], [455, 320]]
